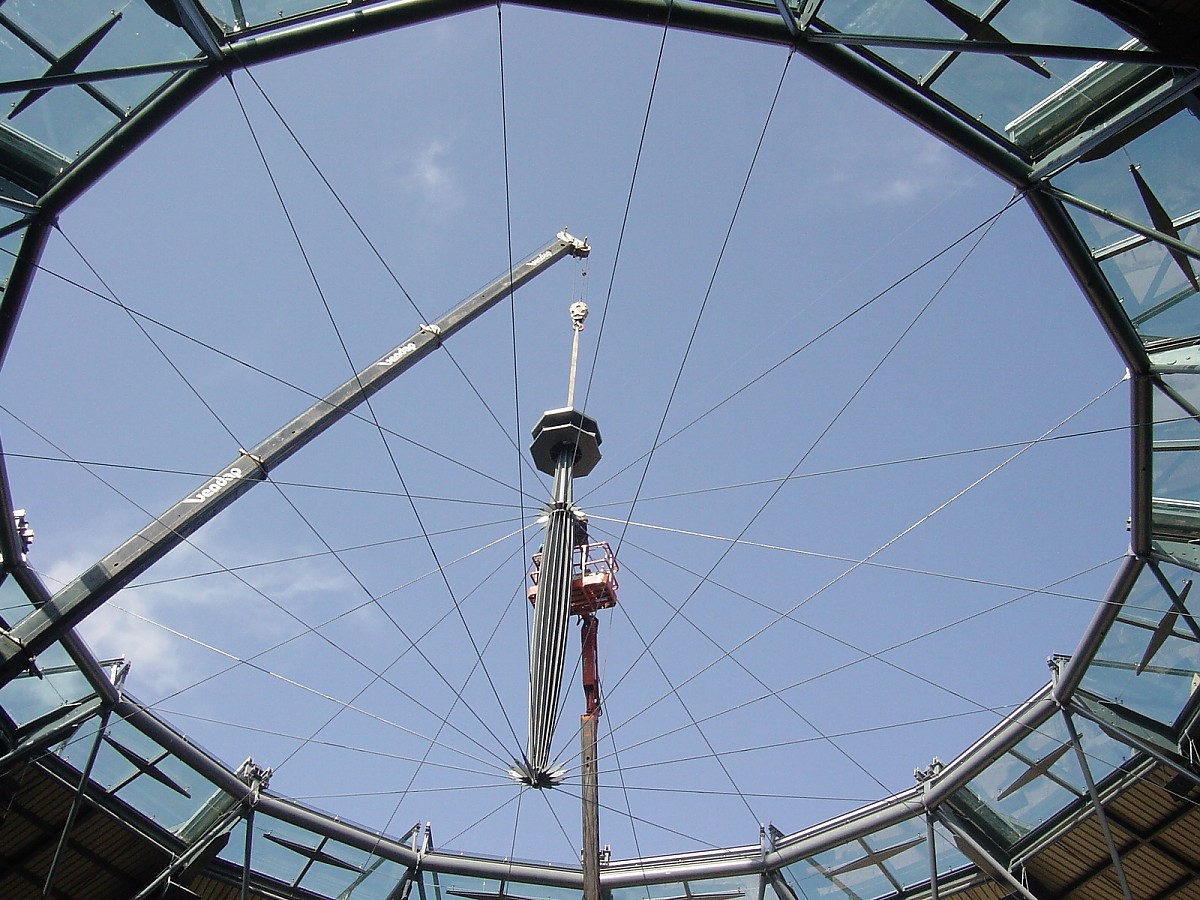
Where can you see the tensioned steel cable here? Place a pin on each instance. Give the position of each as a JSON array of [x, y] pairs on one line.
[[683, 704], [513, 799], [308, 485], [799, 476], [865, 654], [778, 695], [637, 161], [387, 448], [643, 821], [346, 705], [980, 707], [449, 712], [283, 494], [557, 821], [333, 745], [248, 662], [828, 427], [379, 256], [458, 693], [986, 223], [788, 614], [891, 567], [864, 467], [307, 629], [512, 300], [301, 557], [662, 423], [145, 333], [608, 295], [448, 789]]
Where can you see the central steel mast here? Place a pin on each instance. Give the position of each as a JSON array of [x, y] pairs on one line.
[[571, 576]]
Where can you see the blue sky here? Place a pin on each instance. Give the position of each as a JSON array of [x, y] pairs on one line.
[[844, 200]]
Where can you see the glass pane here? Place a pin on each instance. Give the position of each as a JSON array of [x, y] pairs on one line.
[[144, 775], [1026, 786], [263, 12], [266, 856], [726, 888], [1177, 445], [1148, 661], [1181, 552], [1154, 287], [65, 119], [27, 696]]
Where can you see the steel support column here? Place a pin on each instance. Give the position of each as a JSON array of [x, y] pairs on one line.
[[981, 856], [248, 852], [933, 869], [1101, 818], [76, 803]]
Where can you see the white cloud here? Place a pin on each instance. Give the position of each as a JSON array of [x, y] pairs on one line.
[[431, 182], [163, 627], [907, 168]]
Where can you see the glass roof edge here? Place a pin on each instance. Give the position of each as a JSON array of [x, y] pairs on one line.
[[1071, 673], [127, 136], [12, 301], [1065, 236], [860, 68]]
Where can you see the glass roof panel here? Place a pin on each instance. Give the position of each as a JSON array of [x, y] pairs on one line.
[[66, 119], [735, 888], [1177, 442], [298, 857], [1152, 176], [339, 870], [909, 18], [880, 864], [443, 886], [138, 770], [1148, 661], [18, 59], [40, 40], [271, 858], [1181, 552], [1026, 786], [29, 696], [995, 89], [374, 881]]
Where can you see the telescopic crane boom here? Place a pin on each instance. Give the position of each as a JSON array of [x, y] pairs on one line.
[[42, 627]]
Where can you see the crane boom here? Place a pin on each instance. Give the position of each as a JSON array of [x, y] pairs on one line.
[[40, 628]]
